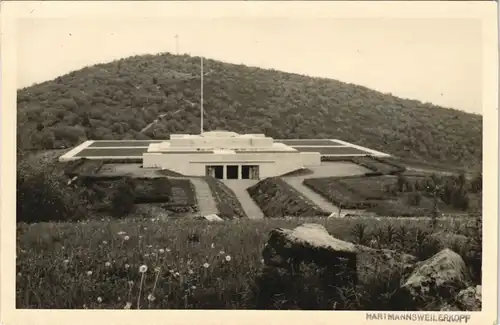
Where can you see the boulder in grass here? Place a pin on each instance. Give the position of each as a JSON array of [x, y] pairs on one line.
[[439, 278], [470, 299], [309, 243]]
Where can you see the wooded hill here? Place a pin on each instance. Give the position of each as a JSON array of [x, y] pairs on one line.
[[117, 100]]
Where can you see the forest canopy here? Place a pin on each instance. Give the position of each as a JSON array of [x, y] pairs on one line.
[[117, 100]]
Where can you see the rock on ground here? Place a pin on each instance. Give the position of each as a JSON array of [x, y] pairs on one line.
[[311, 243], [470, 299], [440, 277]]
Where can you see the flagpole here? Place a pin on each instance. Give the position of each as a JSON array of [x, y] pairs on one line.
[[201, 99]]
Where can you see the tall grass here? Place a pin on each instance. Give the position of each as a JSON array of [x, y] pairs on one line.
[[190, 264]]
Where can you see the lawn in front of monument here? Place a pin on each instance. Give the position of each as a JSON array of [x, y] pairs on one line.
[[185, 263]]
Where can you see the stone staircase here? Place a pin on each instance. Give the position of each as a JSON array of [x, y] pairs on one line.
[[239, 187], [206, 202]]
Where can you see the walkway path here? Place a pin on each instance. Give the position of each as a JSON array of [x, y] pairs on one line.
[[239, 187], [325, 170], [206, 202]]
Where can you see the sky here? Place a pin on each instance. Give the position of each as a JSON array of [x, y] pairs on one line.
[[432, 60]]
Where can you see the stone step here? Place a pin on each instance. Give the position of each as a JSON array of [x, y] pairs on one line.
[[206, 202]]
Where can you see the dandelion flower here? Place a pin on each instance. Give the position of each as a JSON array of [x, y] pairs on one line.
[[228, 258], [221, 252], [121, 233], [143, 268], [161, 251], [177, 274], [206, 265], [104, 242], [66, 261], [131, 283], [151, 297], [191, 272], [128, 305], [99, 299], [149, 246], [107, 264], [157, 269], [213, 246], [89, 273], [167, 250], [146, 255], [193, 287], [126, 238], [127, 266]]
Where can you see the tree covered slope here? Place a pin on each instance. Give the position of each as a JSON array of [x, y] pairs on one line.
[[119, 99]]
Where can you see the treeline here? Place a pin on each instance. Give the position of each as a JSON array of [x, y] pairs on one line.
[[118, 99]]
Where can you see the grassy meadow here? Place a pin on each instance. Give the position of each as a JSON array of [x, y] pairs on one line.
[[150, 263]]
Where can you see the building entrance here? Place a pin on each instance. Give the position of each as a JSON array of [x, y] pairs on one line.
[[249, 172], [215, 171], [232, 172]]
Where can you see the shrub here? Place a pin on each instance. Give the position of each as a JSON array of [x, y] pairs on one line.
[[122, 202], [153, 190], [43, 195]]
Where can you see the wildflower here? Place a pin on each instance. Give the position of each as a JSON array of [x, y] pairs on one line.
[[191, 272], [193, 287], [127, 266], [213, 246], [149, 246], [66, 261], [99, 299], [89, 273], [143, 268], [140, 237], [131, 283], [167, 250], [145, 228], [221, 252], [206, 265], [107, 264], [161, 251], [126, 238], [157, 269], [171, 271], [121, 233], [262, 261], [228, 258], [151, 297], [177, 274], [128, 305], [104, 242], [146, 255]]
